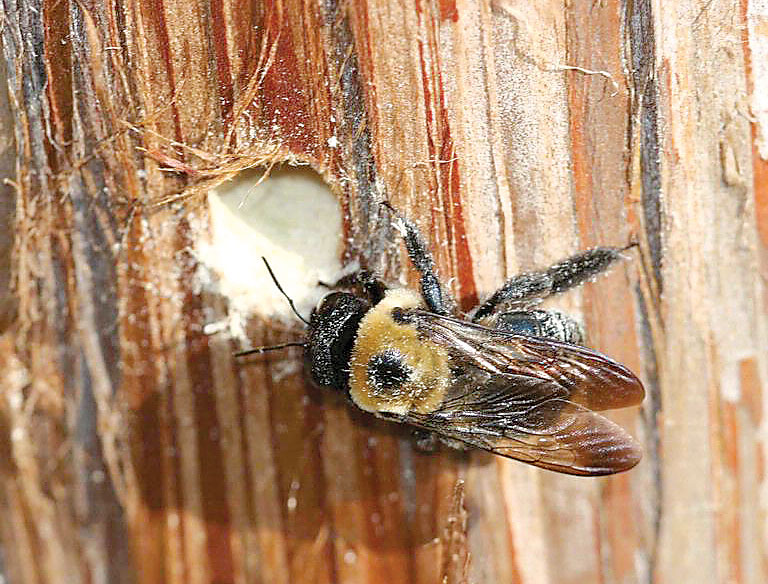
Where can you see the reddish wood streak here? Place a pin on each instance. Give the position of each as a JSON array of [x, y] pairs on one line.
[[760, 170], [57, 46], [223, 69], [759, 165], [751, 394], [175, 492], [156, 19], [448, 10], [150, 434], [285, 92], [730, 508], [213, 475], [442, 158]]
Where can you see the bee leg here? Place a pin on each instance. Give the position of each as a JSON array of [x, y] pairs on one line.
[[371, 287], [549, 324], [425, 441], [362, 281], [525, 289], [422, 260], [429, 442]]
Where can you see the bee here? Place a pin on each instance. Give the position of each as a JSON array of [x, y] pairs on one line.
[[506, 377]]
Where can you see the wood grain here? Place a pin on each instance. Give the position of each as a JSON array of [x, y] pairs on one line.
[[136, 449]]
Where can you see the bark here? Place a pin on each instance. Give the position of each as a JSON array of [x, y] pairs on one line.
[[135, 448]]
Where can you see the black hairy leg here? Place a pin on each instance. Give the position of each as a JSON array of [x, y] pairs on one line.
[[523, 290], [425, 441], [421, 258]]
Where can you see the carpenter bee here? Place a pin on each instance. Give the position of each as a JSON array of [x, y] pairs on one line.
[[506, 377]]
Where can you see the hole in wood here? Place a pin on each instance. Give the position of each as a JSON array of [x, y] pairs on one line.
[[290, 217]]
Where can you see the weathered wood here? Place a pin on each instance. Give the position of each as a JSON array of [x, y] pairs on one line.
[[136, 448]]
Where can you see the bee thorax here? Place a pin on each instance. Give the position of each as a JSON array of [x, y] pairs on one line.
[[388, 371], [392, 369]]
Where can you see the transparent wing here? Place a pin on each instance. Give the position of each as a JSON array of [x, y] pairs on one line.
[[531, 399]]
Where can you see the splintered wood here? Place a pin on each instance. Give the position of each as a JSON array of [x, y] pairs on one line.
[[136, 448]]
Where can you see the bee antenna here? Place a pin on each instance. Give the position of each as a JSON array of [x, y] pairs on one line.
[[269, 348], [279, 287]]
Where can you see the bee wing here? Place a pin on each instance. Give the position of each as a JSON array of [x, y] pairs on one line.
[[531, 399]]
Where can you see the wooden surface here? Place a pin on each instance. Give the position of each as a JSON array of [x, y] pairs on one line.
[[136, 449]]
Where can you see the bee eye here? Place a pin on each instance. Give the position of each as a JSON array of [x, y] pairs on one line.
[[388, 370]]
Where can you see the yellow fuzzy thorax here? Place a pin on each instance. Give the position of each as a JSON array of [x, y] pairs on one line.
[[428, 362]]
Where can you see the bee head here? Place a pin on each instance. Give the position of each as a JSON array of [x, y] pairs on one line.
[[332, 330]]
